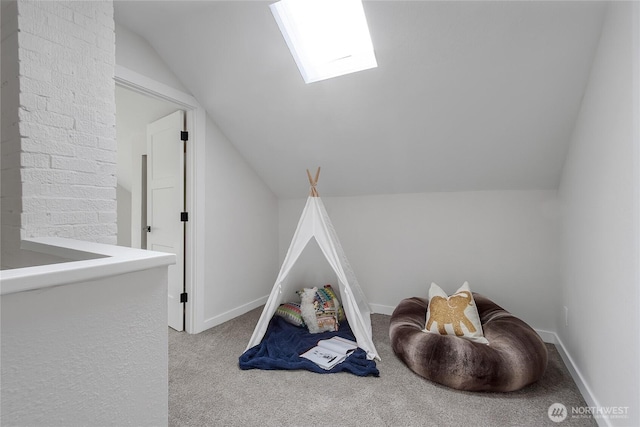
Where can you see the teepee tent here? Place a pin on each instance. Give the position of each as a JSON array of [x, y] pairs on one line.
[[315, 223]]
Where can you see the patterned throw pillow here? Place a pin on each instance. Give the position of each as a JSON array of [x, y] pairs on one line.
[[316, 320], [325, 304], [328, 302], [454, 315], [290, 311]]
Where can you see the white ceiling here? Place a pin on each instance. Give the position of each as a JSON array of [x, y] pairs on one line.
[[466, 96]]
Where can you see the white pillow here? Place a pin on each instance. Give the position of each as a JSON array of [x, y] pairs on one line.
[[454, 315]]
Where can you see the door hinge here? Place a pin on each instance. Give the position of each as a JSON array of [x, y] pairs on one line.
[[184, 135], [184, 216], [183, 297]]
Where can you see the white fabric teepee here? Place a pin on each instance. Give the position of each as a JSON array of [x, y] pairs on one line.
[[315, 223]]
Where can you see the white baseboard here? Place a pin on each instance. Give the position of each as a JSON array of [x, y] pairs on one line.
[[548, 336], [228, 315], [578, 378], [382, 309]]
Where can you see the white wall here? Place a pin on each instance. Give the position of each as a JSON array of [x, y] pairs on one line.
[[241, 233], [135, 53], [599, 193], [505, 243], [92, 352]]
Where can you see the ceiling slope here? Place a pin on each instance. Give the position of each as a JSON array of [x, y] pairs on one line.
[[466, 96]]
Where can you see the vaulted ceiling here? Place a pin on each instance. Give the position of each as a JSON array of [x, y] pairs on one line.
[[467, 95]]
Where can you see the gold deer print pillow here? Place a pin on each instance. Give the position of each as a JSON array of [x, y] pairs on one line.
[[454, 315]]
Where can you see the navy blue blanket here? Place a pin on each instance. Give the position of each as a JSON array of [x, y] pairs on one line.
[[283, 343]]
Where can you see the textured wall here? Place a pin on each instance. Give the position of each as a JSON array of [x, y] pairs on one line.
[[66, 119], [87, 354]]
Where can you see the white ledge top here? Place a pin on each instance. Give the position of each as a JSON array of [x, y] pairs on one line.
[[89, 261]]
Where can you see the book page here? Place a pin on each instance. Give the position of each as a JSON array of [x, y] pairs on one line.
[[338, 344], [323, 357]]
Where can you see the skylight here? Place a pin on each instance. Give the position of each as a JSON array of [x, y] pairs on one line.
[[327, 38]]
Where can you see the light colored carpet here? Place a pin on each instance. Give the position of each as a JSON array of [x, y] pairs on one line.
[[206, 388]]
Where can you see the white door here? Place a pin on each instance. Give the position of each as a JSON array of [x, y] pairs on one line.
[[165, 203]]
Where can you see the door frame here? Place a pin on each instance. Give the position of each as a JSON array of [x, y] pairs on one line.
[[194, 186]]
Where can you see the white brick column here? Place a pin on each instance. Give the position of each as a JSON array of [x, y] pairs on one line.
[[10, 182], [66, 120]]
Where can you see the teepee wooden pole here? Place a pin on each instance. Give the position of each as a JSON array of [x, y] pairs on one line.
[[313, 192]]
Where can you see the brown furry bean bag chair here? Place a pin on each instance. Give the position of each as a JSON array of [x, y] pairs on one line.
[[515, 357]]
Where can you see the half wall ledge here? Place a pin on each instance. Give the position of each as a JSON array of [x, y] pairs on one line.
[[88, 261]]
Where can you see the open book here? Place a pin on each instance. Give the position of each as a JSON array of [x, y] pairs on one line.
[[328, 353]]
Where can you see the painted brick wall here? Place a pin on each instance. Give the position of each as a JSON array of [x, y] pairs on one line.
[[11, 189], [66, 121]]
